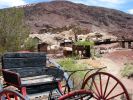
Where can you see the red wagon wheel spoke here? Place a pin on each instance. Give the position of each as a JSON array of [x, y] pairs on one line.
[[11, 95], [95, 93], [115, 96], [90, 87], [93, 82], [111, 90], [101, 84], [95, 97], [7, 96], [106, 87], [16, 98], [96, 86]]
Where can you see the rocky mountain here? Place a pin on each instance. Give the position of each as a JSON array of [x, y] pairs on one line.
[[60, 14]]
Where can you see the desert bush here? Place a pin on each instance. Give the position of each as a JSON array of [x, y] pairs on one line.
[[127, 71], [13, 30], [30, 44], [84, 43], [68, 63], [71, 64]]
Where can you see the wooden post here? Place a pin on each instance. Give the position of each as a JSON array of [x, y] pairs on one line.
[[129, 44], [43, 47], [87, 51], [123, 44]]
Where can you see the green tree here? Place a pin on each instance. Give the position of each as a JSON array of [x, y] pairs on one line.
[[31, 44], [76, 31], [13, 30]]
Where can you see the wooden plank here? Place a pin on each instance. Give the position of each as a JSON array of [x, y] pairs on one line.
[[41, 87], [39, 96], [33, 80], [24, 55], [29, 71], [36, 77], [37, 71], [23, 62]]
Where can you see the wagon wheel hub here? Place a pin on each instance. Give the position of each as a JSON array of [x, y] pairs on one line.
[[101, 98]]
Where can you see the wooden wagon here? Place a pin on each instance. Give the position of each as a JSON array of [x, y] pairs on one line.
[[31, 76]]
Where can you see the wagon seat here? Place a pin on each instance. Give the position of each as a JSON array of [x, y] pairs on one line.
[[29, 72]]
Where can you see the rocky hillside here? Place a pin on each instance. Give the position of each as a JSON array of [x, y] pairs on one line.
[[60, 14]]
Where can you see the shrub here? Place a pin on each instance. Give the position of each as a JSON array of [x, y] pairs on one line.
[[30, 44], [84, 43], [70, 64], [13, 30], [127, 71]]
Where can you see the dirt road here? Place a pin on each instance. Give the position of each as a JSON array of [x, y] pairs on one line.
[[114, 62]]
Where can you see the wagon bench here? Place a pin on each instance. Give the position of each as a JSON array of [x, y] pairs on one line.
[[29, 73]]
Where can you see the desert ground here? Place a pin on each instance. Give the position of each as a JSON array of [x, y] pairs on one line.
[[115, 62]]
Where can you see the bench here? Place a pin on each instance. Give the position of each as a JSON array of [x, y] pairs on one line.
[[30, 70]]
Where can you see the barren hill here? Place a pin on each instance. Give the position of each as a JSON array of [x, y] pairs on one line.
[[58, 14]]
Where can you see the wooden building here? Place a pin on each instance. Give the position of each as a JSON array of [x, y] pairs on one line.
[[43, 47]]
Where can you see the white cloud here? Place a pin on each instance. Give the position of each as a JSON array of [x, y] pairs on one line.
[[11, 3], [116, 4], [101, 1], [130, 11], [113, 1]]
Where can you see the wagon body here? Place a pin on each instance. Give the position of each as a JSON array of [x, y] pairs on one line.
[[29, 73]]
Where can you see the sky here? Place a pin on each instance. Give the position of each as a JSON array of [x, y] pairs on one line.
[[123, 5]]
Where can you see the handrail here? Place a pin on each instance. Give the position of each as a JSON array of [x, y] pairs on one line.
[[69, 82], [66, 76], [84, 69]]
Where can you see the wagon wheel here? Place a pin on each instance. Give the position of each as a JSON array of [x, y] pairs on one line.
[[77, 95], [7, 94], [105, 87]]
